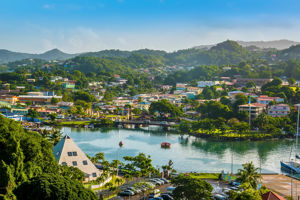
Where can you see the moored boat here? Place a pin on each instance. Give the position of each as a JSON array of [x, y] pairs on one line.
[[291, 166], [165, 145]]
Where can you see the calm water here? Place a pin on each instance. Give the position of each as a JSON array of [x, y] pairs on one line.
[[188, 153]]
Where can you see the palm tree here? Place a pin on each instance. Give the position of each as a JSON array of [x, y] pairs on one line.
[[249, 174], [118, 181]]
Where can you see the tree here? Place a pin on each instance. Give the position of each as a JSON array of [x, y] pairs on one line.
[[213, 109], [291, 81], [248, 194], [249, 175], [54, 101], [164, 107], [32, 113], [23, 155], [52, 116], [53, 186], [72, 173], [191, 188], [140, 165]]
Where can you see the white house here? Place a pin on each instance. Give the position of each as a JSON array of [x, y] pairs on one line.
[[66, 152]]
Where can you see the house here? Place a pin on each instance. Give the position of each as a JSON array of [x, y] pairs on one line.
[[264, 99], [30, 80], [271, 196], [166, 87], [203, 84], [180, 86], [39, 97], [69, 85], [194, 89], [11, 99], [256, 109], [66, 152], [257, 81], [279, 110]]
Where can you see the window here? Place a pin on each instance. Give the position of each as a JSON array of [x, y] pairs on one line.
[[94, 175], [63, 163], [69, 153], [84, 162], [74, 153], [74, 163]]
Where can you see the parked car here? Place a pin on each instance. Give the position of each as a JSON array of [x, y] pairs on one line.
[[164, 180], [170, 189], [155, 193], [166, 197], [155, 182], [156, 198], [220, 197], [159, 180], [235, 183], [126, 193]]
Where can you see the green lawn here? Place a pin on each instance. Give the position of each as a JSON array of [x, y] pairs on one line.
[[73, 123]]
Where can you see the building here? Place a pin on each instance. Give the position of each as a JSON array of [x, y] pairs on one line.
[[203, 84], [271, 196], [69, 85], [264, 99], [66, 152], [257, 81], [39, 97], [256, 109], [279, 110], [180, 86]]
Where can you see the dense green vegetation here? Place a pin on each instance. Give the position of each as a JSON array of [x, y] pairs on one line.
[[26, 159]]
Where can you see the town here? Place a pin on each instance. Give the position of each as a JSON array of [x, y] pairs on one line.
[[149, 100]]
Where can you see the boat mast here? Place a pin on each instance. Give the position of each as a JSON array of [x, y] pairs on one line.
[[298, 105]]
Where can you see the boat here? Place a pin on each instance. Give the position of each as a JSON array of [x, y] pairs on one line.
[[291, 166], [165, 145]]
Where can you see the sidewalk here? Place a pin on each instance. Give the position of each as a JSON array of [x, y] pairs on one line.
[[281, 184]]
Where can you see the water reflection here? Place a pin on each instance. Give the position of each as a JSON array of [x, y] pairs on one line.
[[187, 152]]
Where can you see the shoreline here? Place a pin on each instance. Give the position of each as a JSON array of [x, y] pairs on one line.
[[261, 137]]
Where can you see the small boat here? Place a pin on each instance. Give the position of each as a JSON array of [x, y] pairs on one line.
[[120, 144], [165, 145], [291, 166]]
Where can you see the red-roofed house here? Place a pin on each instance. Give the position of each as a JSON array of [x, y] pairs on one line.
[[264, 99], [256, 109], [271, 196]]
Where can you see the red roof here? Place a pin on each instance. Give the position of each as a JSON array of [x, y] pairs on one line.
[[271, 196]]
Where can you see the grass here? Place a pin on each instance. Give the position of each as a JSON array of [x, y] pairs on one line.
[[73, 123], [232, 134], [113, 181], [213, 176]]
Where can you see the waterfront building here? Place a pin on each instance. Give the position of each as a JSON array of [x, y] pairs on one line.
[[279, 110], [256, 109], [66, 152]]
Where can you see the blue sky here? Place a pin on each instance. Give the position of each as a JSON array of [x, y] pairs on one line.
[[91, 25]]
